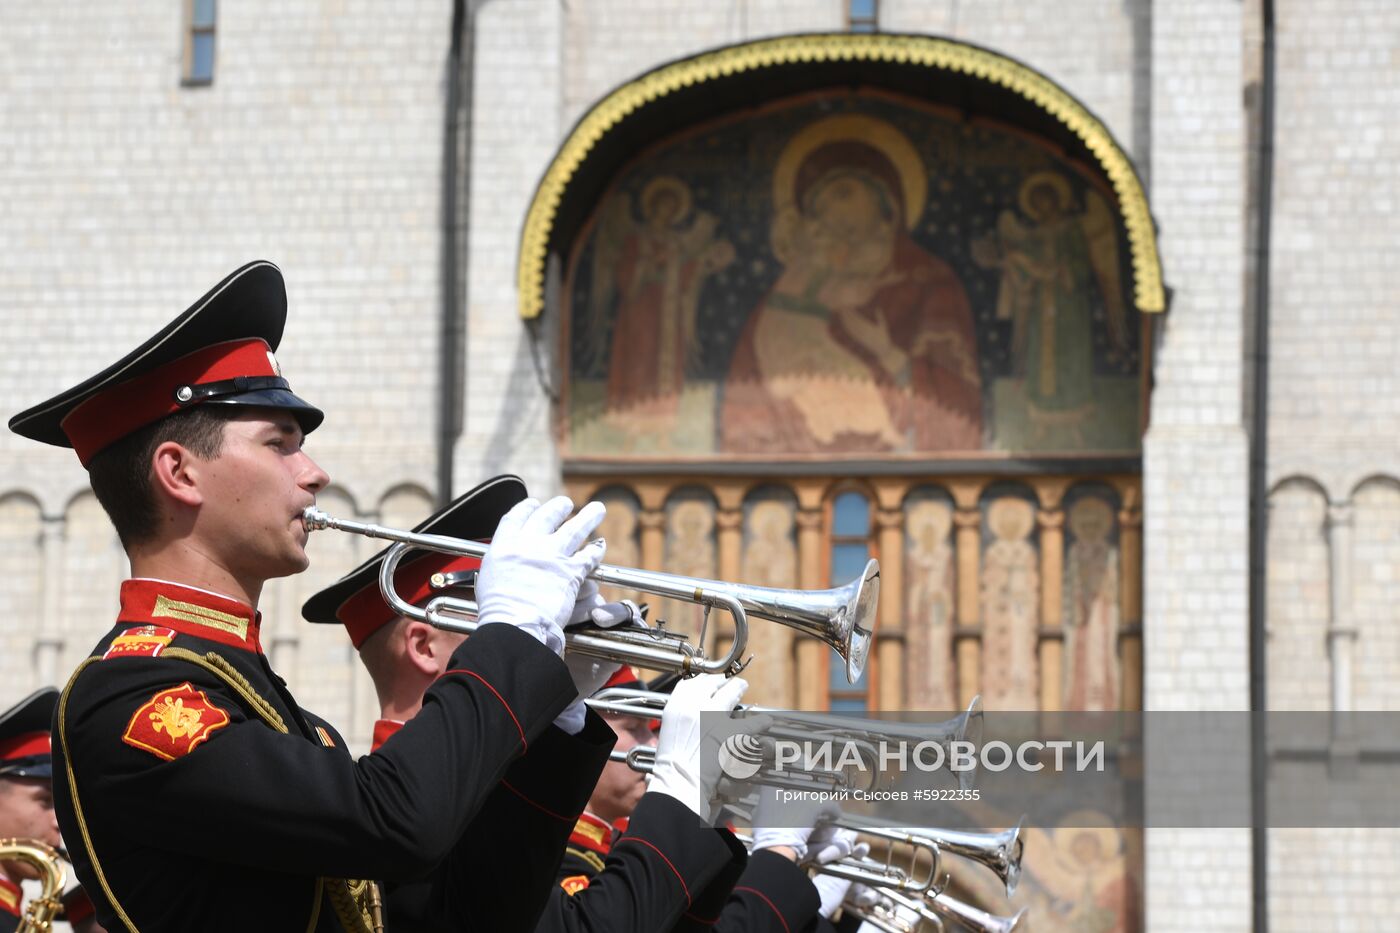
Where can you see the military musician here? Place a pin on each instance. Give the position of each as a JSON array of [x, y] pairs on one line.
[[194, 792]]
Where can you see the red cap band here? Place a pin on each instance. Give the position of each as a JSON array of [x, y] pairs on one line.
[[25, 745], [114, 413], [366, 612]]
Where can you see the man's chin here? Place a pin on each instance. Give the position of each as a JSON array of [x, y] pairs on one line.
[[293, 565]]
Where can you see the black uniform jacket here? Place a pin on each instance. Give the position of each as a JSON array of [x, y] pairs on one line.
[[194, 794], [502, 871], [772, 896], [649, 878]]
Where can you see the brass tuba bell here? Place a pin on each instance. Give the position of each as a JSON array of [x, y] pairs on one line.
[[38, 916]]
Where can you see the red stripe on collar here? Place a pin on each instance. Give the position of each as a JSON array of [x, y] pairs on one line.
[[10, 896], [191, 611], [383, 728], [592, 833]]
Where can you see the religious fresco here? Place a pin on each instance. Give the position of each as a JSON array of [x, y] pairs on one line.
[[1091, 601], [1010, 600], [930, 600], [851, 275]]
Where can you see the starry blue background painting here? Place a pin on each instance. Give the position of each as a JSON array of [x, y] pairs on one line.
[[976, 176]]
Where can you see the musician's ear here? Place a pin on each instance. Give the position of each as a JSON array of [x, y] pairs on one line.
[[419, 648]]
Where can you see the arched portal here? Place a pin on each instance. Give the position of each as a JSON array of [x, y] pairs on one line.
[[894, 266]]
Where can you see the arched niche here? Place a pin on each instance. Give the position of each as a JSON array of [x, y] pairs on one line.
[[1297, 581], [842, 247]]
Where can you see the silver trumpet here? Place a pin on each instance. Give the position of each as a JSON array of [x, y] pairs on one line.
[[844, 617], [1001, 852], [799, 726], [974, 918], [905, 877], [886, 914], [885, 874]]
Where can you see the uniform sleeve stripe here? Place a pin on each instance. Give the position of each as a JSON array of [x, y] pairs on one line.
[[639, 839], [523, 744], [764, 897], [543, 809]]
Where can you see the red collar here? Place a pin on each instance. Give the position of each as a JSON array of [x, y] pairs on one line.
[[592, 833], [10, 896], [383, 728], [191, 611]]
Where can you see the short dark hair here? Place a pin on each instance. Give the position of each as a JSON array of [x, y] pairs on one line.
[[121, 474]]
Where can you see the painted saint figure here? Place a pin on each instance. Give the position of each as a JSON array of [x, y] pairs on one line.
[[1010, 607], [1091, 609], [929, 569], [865, 343], [1054, 272], [654, 270]]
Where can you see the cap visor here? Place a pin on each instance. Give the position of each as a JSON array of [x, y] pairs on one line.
[[307, 415]]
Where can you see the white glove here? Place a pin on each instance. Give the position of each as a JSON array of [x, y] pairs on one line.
[[829, 844], [589, 674], [866, 898], [832, 891], [590, 607], [789, 824], [863, 896], [683, 740], [530, 577]]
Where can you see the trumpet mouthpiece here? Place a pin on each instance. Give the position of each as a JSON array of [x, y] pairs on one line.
[[314, 519]]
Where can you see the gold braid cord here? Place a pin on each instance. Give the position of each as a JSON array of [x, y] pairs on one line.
[[356, 903], [927, 51]]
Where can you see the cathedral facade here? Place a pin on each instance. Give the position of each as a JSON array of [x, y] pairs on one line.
[[1075, 315]]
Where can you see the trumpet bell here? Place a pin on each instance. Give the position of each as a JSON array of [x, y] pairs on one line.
[[844, 617]]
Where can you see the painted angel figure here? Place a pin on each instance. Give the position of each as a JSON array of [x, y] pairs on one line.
[[647, 276], [1054, 271]]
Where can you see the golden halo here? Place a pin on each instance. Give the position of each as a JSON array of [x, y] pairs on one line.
[[1091, 519], [666, 183], [1011, 518], [873, 132], [1087, 823], [1054, 180]]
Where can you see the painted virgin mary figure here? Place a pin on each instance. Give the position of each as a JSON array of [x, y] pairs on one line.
[[865, 343]]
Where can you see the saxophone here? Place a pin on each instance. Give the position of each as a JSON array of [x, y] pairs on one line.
[[38, 916]]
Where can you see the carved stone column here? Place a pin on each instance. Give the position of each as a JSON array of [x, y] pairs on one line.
[[1052, 631], [811, 654], [48, 647], [652, 523], [729, 544], [888, 692], [1130, 580], [967, 647], [1343, 757]]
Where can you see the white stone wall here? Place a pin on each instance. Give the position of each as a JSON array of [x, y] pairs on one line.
[[318, 146], [1096, 51], [1195, 460], [1335, 406], [539, 65], [1334, 412]]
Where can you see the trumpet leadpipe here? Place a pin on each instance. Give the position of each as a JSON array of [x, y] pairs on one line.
[[844, 617]]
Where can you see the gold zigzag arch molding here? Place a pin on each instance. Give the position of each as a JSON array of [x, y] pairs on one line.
[[928, 51]]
